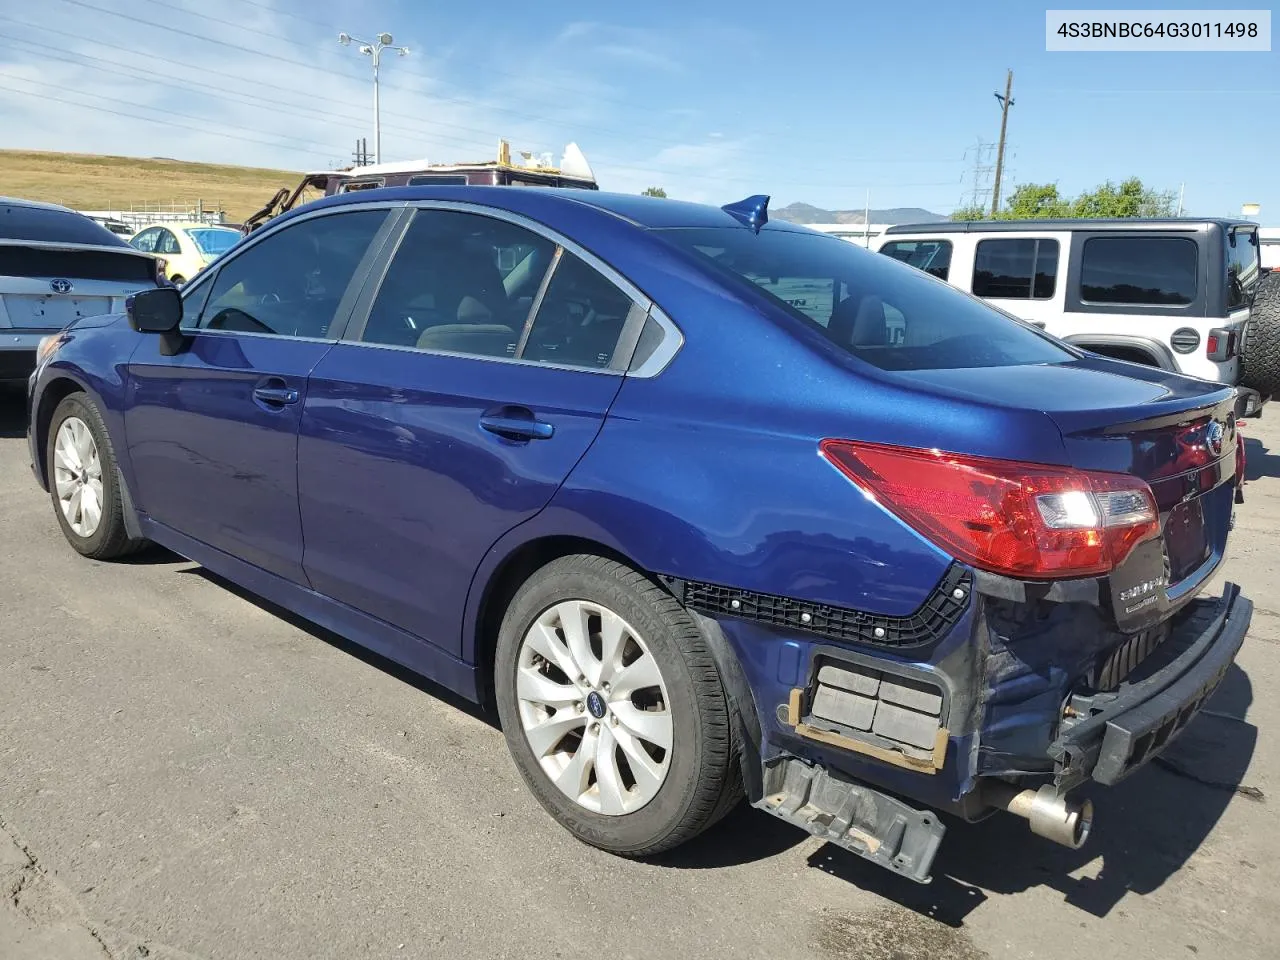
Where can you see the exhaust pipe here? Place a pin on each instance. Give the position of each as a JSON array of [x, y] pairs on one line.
[[1050, 816]]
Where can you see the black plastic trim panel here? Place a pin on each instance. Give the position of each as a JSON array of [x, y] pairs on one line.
[[937, 615]]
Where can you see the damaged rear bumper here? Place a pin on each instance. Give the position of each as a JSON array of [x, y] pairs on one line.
[[1106, 736]]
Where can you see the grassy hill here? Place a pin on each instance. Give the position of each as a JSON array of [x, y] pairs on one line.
[[91, 182]]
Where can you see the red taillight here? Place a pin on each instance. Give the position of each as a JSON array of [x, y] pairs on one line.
[[1018, 519]]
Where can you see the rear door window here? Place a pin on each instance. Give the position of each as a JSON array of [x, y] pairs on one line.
[[1139, 270], [931, 256], [459, 283], [867, 305], [1015, 269]]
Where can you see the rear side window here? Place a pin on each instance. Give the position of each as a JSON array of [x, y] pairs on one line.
[[146, 240], [883, 312], [931, 256], [20, 222], [1015, 269], [1139, 270], [1243, 268]]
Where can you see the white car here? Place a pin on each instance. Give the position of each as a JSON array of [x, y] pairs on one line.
[[56, 266], [1176, 294]]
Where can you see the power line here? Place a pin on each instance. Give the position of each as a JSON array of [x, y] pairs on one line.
[[462, 101], [284, 140], [156, 120]]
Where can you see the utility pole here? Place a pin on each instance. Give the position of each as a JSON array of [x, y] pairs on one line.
[[1005, 103], [360, 156], [374, 50]]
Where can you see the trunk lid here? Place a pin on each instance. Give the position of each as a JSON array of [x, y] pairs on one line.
[[45, 286]]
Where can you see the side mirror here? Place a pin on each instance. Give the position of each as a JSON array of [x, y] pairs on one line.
[[155, 311]]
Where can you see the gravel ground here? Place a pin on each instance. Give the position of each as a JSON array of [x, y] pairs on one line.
[[185, 773]]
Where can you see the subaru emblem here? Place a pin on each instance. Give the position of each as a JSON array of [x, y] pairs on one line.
[[1213, 436], [60, 286]]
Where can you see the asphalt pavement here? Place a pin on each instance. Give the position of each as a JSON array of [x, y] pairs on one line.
[[188, 773]]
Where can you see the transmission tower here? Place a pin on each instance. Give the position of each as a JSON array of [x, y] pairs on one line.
[[978, 192]]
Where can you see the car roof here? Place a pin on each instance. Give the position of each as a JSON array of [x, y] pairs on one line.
[[185, 225], [31, 221], [34, 204], [1065, 224], [641, 211]]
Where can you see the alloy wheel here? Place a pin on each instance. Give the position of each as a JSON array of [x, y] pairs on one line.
[[594, 707], [77, 476]]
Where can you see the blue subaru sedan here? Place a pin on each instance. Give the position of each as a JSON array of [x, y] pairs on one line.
[[705, 506]]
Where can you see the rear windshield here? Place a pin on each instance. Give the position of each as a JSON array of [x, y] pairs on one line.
[[881, 311], [20, 222]]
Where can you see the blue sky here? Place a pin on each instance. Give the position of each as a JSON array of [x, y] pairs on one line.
[[713, 100]]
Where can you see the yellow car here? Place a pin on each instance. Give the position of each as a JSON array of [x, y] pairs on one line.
[[186, 248]]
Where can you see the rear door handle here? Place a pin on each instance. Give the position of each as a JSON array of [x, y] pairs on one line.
[[277, 396], [517, 428]]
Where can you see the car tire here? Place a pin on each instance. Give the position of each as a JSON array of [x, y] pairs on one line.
[[82, 470], [556, 727], [178, 280], [1260, 352]]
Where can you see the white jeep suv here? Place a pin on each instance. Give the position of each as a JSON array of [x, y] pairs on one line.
[[1175, 293]]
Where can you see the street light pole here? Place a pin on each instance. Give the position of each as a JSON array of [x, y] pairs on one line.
[[374, 51]]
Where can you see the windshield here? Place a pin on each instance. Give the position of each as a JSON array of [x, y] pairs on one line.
[[214, 241], [876, 308]]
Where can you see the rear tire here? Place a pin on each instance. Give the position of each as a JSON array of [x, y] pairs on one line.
[[1260, 353], [84, 481], [645, 681]]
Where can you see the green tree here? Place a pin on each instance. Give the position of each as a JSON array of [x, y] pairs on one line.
[[969, 213], [1130, 199], [1032, 201], [654, 192]]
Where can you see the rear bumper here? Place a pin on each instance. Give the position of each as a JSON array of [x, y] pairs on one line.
[[1108, 736]]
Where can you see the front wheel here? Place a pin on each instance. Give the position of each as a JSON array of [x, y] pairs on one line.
[[84, 483], [613, 709]]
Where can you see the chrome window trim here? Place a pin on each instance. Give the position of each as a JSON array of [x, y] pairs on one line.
[[665, 352], [532, 364], [672, 341], [535, 226]]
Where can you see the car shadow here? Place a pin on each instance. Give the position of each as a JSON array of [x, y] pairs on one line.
[[1259, 461], [1145, 829], [389, 667], [13, 412]]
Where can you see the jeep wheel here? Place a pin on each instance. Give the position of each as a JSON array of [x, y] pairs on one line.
[[1260, 353], [613, 708]]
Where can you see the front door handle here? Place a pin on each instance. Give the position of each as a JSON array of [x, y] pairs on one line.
[[276, 396], [517, 428]]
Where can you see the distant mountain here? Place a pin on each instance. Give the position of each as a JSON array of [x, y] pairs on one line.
[[808, 213]]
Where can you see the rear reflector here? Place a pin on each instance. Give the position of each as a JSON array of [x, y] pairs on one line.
[[1023, 520]]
